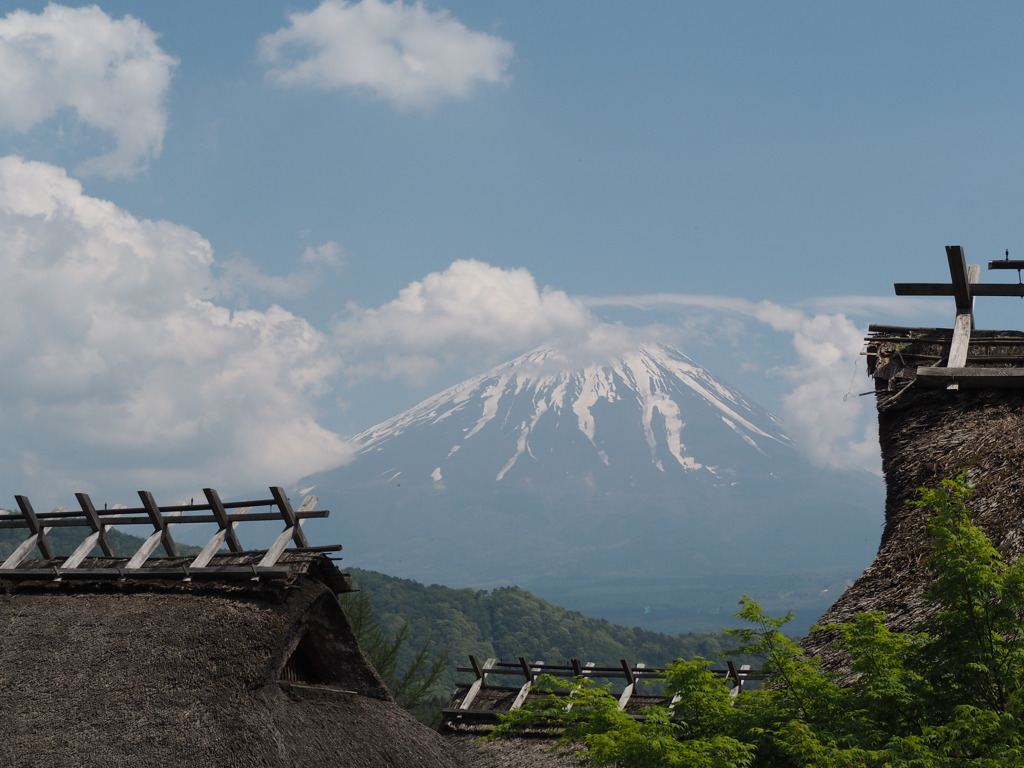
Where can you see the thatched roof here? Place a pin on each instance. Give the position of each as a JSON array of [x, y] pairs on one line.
[[507, 753], [927, 435], [128, 672]]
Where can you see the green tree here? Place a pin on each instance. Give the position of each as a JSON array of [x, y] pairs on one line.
[[946, 695], [411, 674]]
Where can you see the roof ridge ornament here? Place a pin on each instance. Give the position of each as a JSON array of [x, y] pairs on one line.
[[225, 515], [964, 287]]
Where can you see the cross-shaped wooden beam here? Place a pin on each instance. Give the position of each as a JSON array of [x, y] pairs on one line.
[[963, 287]]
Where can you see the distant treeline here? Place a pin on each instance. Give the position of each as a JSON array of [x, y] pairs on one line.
[[509, 622]]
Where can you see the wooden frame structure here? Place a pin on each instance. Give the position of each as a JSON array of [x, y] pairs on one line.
[[225, 515], [964, 288], [468, 710]]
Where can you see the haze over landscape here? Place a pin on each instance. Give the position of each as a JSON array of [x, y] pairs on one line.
[[238, 234]]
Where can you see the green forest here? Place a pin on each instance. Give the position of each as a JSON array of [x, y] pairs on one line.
[[507, 623]]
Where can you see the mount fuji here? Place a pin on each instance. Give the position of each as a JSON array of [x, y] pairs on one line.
[[636, 489]]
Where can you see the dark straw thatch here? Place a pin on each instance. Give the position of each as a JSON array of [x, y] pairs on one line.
[[158, 672], [526, 752], [927, 435]]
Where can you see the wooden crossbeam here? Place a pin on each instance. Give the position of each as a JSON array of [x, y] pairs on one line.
[[35, 528], [945, 289], [100, 530], [631, 684], [972, 378], [162, 518], [223, 522], [70, 518], [480, 682], [159, 523], [524, 690]]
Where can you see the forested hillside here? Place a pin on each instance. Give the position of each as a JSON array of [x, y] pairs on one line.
[[511, 622]]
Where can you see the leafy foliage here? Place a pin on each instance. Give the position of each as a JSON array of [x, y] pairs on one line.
[[946, 695], [411, 673]]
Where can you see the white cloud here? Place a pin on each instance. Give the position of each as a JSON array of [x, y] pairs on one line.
[[405, 54], [120, 371], [471, 308], [240, 277], [111, 73]]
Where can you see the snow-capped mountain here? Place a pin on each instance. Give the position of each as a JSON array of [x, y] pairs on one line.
[[539, 418], [561, 476]]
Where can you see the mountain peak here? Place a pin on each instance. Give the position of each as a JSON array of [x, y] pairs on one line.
[[650, 409]]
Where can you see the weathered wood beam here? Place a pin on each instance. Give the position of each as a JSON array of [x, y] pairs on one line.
[[159, 523], [961, 341], [1006, 264], [279, 545], [221, 514], [972, 378], [18, 555], [945, 289], [281, 498], [206, 555], [630, 688], [961, 277], [82, 550], [94, 522], [524, 690], [480, 682], [32, 520], [74, 518]]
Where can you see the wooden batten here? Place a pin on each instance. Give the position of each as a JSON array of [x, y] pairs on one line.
[[209, 563]]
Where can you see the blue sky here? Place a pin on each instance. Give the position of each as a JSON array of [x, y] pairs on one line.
[[243, 231]]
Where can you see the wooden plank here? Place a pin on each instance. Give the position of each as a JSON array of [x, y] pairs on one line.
[[524, 690], [206, 555], [82, 550], [960, 278], [480, 682], [279, 545], [630, 688], [972, 378], [19, 554], [72, 519], [1006, 264], [945, 289], [227, 572], [143, 552], [291, 521], [226, 525], [94, 522], [161, 525], [32, 520], [961, 341]]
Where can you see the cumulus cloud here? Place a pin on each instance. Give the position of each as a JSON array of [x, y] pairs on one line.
[[405, 54], [121, 371], [110, 73], [471, 308]]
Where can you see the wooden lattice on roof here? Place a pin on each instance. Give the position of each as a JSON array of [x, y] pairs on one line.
[[960, 357], [227, 516], [501, 686]]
